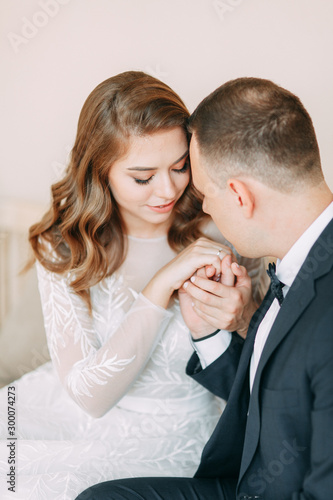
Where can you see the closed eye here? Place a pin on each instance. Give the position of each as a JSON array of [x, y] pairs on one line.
[[184, 168], [178, 170], [143, 181]]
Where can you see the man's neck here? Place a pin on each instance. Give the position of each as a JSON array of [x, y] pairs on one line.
[[294, 214]]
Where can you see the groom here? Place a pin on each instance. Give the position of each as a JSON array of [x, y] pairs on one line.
[[255, 158]]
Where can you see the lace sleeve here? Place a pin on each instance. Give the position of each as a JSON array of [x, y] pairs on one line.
[[96, 376]]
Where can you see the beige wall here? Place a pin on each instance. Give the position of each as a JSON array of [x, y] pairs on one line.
[[54, 52]]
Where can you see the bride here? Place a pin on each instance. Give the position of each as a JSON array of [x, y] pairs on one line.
[[125, 230]]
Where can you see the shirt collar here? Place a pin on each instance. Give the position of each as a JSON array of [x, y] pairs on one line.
[[287, 268]]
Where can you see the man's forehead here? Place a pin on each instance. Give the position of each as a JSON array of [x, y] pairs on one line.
[[193, 143]]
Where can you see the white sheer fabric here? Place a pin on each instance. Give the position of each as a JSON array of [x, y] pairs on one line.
[[124, 364]]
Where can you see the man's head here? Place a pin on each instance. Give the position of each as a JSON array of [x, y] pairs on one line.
[[251, 126], [251, 138]]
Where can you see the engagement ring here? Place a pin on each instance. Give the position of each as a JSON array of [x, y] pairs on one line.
[[218, 253]]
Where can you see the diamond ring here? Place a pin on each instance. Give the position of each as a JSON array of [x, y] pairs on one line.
[[219, 252]]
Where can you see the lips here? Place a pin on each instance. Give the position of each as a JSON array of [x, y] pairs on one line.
[[162, 208]]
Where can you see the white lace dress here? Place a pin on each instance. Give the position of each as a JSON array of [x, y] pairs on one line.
[[124, 365]]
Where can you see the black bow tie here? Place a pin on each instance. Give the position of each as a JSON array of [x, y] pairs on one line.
[[276, 285]]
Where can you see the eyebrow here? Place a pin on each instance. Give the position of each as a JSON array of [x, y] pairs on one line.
[[144, 169]]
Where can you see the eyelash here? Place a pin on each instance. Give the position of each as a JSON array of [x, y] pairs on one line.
[[143, 181], [179, 171]]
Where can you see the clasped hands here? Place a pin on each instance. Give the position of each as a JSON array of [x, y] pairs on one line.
[[222, 300], [214, 291]]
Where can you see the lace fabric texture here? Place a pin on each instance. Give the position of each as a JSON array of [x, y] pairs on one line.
[[124, 364]]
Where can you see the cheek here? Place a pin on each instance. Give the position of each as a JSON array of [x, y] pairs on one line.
[[136, 193], [213, 207], [183, 181], [127, 192]]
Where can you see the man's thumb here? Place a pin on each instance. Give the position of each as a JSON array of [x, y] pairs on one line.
[[227, 275], [242, 278]]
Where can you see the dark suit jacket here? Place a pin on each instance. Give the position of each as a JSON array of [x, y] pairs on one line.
[[278, 443]]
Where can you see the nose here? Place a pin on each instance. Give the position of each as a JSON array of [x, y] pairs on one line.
[[166, 188], [204, 205]]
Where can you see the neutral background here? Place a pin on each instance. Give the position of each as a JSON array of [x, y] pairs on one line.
[[193, 45], [54, 52]]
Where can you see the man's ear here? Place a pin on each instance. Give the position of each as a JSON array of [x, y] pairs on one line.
[[242, 196]]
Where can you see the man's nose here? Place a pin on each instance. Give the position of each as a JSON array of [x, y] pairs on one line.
[[204, 205]]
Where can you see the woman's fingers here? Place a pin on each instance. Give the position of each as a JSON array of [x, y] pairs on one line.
[[202, 272], [203, 253], [213, 268], [212, 246]]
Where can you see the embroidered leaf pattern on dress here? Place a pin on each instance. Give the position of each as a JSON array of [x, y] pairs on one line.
[[81, 379], [125, 364]]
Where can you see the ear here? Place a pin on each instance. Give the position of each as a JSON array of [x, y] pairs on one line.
[[242, 196]]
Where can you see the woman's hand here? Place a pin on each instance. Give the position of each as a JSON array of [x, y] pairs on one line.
[[203, 252]]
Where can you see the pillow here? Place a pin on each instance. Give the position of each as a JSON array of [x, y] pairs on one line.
[[23, 344]]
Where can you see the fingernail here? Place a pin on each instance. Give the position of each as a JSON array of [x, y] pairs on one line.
[[192, 304], [192, 279], [236, 264], [185, 284]]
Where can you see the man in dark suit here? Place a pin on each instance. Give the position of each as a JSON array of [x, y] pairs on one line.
[[255, 158]]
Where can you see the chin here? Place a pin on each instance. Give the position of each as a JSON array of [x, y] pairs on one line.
[[249, 251]]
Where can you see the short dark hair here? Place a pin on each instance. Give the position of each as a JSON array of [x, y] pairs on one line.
[[251, 126]]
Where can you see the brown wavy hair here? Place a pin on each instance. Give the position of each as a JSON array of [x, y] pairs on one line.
[[84, 226]]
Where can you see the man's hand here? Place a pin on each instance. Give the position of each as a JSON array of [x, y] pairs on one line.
[[208, 305]]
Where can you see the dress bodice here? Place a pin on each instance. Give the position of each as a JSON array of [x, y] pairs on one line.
[[164, 373]]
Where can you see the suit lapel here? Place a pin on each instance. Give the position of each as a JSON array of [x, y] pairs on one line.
[[292, 310], [300, 294], [297, 300], [236, 409]]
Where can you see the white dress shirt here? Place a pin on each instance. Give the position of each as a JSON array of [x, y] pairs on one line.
[[210, 349]]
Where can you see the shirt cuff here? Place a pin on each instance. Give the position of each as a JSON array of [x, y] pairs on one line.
[[212, 347]]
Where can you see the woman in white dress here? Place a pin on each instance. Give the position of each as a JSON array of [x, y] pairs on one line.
[[123, 234]]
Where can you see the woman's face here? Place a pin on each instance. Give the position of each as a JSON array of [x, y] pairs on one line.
[[147, 182]]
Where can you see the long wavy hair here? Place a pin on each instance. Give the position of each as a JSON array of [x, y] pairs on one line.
[[84, 227]]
